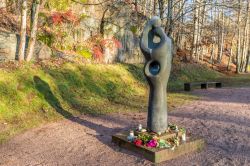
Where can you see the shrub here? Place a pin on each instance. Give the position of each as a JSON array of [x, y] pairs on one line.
[[83, 52], [46, 38]]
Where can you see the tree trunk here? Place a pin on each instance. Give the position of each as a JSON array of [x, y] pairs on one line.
[[246, 40], [180, 25], [212, 51], [169, 27], [145, 7], [196, 29], [34, 22], [221, 36], [21, 49], [247, 61], [102, 25], [213, 38], [161, 8], [229, 59], [154, 7], [238, 40], [203, 11]]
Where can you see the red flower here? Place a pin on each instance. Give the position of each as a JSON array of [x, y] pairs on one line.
[[138, 142]]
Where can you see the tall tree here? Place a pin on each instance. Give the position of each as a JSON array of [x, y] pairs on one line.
[[196, 28], [161, 8], [244, 60], [238, 39], [202, 14], [21, 49], [154, 7], [221, 35], [34, 22], [169, 26]]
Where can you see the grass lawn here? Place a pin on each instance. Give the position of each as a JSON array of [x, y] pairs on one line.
[[33, 94]]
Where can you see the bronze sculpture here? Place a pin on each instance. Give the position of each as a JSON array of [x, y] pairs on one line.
[[157, 68]]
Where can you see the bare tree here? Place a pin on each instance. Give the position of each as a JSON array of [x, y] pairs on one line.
[[34, 22], [221, 35], [169, 26], [196, 28], [21, 49], [161, 8], [238, 39], [245, 53]]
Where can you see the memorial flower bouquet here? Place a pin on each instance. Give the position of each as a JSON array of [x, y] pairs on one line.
[[152, 140], [145, 138], [173, 127]]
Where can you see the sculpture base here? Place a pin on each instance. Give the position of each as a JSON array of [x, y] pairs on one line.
[[158, 155]]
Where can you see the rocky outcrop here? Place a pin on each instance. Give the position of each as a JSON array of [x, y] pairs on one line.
[[130, 52], [9, 47], [120, 24]]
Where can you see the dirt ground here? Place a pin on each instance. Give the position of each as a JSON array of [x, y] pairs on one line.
[[222, 117]]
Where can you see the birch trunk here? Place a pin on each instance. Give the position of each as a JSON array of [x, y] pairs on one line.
[[154, 7], [238, 40], [247, 61], [203, 11], [161, 8], [229, 59], [180, 30], [196, 29], [34, 22], [221, 36], [246, 41], [169, 27], [212, 51], [21, 49]]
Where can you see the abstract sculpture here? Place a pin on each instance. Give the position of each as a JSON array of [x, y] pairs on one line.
[[158, 56]]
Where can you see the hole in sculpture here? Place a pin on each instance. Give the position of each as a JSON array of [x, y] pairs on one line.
[[156, 39], [154, 68]]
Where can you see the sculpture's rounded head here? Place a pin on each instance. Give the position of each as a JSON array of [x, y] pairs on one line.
[[155, 21]]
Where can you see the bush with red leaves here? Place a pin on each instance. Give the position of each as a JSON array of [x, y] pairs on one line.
[[106, 42], [70, 16], [98, 51], [57, 18], [64, 17]]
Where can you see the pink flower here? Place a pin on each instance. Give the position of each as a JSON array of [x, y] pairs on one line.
[[152, 143]]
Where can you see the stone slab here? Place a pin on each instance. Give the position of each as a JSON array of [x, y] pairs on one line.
[[157, 155]]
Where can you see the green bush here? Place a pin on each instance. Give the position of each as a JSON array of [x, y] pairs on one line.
[[46, 38], [83, 52], [134, 29], [60, 5]]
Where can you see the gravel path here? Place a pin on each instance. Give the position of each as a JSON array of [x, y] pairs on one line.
[[222, 117]]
